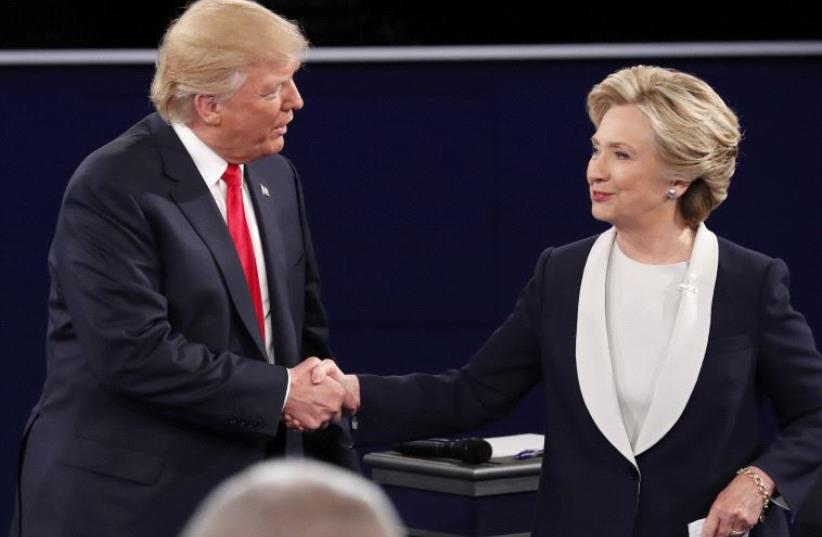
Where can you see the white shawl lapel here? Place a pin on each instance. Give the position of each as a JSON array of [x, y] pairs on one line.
[[683, 360], [594, 371]]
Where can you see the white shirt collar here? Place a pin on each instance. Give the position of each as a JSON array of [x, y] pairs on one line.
[[210, 165]]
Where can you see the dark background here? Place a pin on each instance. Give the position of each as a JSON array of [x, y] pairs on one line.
[[431, 187], [83, 24]]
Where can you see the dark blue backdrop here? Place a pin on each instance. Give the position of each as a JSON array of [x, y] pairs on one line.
[[431, 187]]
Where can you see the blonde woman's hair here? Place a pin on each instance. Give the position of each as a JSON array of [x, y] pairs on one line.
[[695, 133]]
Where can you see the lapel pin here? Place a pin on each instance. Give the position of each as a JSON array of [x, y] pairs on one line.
[[689, 285], [264, 190]]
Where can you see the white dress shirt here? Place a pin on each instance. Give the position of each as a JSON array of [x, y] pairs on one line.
[[211, 167]]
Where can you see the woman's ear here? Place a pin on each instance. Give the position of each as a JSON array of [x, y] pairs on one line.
[[680, 186]]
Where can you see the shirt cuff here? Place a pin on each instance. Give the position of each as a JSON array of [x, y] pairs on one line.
[[287, 389]]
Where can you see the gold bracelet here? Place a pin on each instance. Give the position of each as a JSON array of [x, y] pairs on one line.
[[760, 486]]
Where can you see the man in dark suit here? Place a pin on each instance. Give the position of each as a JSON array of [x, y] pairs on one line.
[[184, 312]]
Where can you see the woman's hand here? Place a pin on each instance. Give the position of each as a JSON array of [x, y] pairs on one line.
[[737, 508]]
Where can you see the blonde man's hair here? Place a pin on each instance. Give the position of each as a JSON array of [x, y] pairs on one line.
[[695, 133], [288, 498], [207, 50]]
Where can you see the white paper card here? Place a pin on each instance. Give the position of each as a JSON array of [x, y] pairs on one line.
[[508, 446], [695, 529]]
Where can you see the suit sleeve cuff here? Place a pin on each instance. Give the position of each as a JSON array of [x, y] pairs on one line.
[[780, 501]]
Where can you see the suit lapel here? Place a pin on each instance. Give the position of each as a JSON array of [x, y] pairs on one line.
[[593, 353], [689, 339], [267, 197], [197, 204], [681, 364]]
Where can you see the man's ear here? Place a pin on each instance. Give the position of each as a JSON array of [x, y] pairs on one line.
[[208, 109]]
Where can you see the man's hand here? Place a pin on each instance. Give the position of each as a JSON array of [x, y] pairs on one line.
[[312, 405]]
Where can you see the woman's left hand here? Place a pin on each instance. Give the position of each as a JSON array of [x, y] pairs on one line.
[[737, 508]]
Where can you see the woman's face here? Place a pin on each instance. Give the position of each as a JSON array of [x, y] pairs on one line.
[[627, 180]]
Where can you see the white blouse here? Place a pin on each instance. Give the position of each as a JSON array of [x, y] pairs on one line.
[[641, 303]]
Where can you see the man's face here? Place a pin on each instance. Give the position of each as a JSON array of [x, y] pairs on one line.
[[253, 120]]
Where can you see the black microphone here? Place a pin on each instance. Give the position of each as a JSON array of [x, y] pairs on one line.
[[470, 450]]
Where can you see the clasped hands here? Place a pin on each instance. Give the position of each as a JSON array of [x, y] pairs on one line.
[[320, 394]]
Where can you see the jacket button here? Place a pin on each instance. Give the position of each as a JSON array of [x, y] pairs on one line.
[[633, 473]]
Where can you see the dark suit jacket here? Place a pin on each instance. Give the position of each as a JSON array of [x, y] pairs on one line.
[[758, 347], [157, 385]]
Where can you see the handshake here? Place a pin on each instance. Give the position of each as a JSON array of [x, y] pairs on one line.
[[320, 394]]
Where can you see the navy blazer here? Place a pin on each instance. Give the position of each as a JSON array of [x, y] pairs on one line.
[[759, 347], [157, 383]]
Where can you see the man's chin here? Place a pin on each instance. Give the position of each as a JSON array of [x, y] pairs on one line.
[[276, 145], [268, 149]]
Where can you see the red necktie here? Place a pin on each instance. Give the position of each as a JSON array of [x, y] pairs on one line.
[[238, 229]]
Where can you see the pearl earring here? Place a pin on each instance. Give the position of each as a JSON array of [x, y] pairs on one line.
[[671, 194]]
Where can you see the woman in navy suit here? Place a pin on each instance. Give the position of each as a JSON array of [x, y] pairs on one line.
[[655, 342]]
